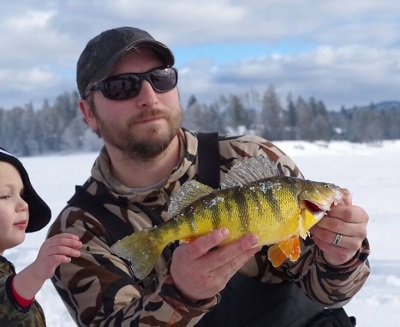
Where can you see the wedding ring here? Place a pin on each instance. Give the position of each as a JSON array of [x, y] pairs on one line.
[[337, 239]]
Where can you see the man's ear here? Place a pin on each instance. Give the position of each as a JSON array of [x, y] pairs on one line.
[[88, 115]]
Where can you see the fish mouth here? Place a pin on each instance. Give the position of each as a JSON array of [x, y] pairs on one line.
[[317, 210], [321, 203]]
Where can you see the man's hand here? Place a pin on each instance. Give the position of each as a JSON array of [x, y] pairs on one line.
[[200, 271], [347, 220]]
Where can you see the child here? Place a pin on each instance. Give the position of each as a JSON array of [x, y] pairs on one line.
[[22, 210]]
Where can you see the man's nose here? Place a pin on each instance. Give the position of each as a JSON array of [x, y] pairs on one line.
[[147, 97]]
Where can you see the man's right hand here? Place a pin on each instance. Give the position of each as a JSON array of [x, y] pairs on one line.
[[201, 269]]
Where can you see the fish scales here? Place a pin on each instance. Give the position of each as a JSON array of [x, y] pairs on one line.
[[278, 209], [239, 216], [210, 215], [215, 209], [267, 192]]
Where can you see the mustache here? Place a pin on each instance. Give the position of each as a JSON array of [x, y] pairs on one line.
[[148, 114]]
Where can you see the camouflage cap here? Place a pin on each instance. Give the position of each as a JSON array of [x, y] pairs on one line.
[[104, 51]]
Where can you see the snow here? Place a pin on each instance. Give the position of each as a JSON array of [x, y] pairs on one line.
[[370, 172]]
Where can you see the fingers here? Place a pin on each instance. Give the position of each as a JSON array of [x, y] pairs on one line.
[[328, 228], [204, 244], [348, 213], [62, 244], [54, 251], [232, 256], [202, 268], [65, 239], [229, 266], [346, 220], [326, 239]]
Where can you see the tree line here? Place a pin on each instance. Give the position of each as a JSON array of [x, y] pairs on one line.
[[28, 131]]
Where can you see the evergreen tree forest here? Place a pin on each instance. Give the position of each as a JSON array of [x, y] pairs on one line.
[[28, 131]]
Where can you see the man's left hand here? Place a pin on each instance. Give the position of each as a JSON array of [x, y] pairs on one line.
[[346, 220]]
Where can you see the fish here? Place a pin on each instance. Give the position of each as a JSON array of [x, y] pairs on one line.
[[254, 198]]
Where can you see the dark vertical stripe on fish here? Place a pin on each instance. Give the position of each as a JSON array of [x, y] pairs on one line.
[[259, 204], [243, 208], [191, 222], [267, 189], [214, 206], [229, 207]]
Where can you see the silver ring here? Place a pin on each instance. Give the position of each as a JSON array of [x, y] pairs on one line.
[[337, 239]]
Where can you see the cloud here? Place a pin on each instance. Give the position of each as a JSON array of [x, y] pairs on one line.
[[351, 75], [341, 52]]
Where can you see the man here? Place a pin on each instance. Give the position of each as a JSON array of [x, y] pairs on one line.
[[129, 97]]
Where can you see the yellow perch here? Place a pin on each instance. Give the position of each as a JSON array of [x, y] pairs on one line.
[[254, 198]]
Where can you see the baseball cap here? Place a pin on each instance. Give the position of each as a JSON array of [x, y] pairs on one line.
[[39, 212], [104, 51]]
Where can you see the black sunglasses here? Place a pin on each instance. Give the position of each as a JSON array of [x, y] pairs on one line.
[[128, 85]]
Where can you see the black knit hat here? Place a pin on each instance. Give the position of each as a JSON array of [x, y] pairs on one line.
[[39, 212], [104, 51]]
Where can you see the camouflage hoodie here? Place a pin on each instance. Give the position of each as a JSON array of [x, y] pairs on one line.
[[11, 314], [99, 288]]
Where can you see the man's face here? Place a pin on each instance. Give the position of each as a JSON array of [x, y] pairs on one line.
[[143, 126]]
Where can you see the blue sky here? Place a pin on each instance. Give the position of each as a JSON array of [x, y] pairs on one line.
[[341, 52], [222, 53]]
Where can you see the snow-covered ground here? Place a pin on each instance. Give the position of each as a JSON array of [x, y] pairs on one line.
[[370, 172]]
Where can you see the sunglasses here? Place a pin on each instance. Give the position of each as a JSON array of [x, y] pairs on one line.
[[128, 85]]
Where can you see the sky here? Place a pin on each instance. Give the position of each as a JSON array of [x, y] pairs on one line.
[[373, 184], [344, 53]]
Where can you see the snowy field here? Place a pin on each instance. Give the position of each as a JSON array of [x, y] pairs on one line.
[[370, 172]]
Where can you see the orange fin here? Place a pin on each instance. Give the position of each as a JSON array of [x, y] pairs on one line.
[[289, 248], [275, 255]]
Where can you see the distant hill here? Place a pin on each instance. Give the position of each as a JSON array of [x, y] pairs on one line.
[[388, 105], [381, 106]]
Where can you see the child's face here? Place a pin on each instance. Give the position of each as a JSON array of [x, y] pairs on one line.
[[14, 212]]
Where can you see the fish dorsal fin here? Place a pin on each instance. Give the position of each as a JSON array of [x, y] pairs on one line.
[[250, 170], [187, 194]]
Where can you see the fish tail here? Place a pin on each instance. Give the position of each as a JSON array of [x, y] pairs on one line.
[[142, 249]]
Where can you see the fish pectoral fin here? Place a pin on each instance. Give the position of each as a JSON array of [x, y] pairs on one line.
[[289, 248], [275, 255]]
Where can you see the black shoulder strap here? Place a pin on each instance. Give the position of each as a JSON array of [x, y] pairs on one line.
[[208, 156], [94, 205]]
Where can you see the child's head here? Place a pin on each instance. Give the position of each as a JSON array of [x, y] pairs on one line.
[[21, 208]]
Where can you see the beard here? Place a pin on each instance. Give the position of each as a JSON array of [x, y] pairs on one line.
[[146, 143]]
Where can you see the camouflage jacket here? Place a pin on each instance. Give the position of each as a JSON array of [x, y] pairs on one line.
[[11, 314], [99, 288]]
